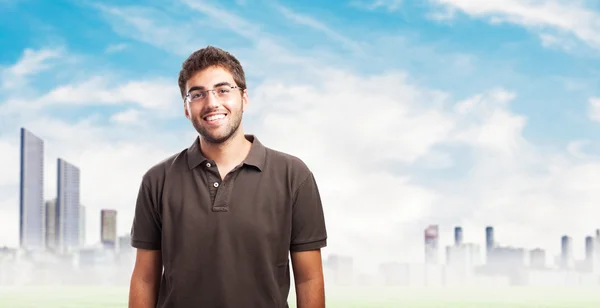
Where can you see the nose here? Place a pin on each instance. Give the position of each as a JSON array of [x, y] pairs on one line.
[[211, 99]]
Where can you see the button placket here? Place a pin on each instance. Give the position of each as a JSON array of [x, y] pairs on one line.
[[224, 192], [212, 177]]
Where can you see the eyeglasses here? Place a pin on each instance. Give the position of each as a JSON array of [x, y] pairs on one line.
[[221, 92]]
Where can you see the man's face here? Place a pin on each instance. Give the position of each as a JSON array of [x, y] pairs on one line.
[[215, 115]]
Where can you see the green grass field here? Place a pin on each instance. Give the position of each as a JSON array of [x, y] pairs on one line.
[[524, 297]]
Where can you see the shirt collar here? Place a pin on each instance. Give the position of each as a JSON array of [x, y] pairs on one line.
[[256, 157]]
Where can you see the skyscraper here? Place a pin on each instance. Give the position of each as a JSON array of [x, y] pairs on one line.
[[51, 225], [597, 247], [458, 236], [489, 243], [489, 238], [108, 231], [589, 250], [566, 251], [589, 247], [82, 226], [68, 206], [431, 244], [31, 192]]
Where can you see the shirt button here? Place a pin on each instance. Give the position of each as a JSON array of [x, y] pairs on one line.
[[216, 184], [208, 165]]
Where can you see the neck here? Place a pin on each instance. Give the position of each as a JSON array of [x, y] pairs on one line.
[[231, 152]]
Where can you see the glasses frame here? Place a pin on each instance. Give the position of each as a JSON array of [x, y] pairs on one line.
[[214, 93]]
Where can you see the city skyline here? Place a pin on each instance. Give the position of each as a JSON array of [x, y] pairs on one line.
[[32, 153], [62, 214]]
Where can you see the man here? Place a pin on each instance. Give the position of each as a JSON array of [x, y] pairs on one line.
[[225, 216]]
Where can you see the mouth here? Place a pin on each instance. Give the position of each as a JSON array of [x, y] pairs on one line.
[[214, 118]]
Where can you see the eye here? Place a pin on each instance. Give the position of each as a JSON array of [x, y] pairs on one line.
[[196, 95]]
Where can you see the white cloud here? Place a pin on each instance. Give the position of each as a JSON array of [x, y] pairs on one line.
[[576, 149], [114, 48], [128, 116], [262, 53], [140, 23], [563, 17], [318, 26], [389, 5], [594, 109], [154, 94], [226, 19], [31, 62]]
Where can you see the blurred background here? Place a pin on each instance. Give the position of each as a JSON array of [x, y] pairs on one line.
[[455, 142]]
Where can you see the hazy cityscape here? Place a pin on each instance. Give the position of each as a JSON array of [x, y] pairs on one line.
[[52, 247]]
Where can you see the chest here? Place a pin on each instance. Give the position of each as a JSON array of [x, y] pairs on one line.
[[247, 206]]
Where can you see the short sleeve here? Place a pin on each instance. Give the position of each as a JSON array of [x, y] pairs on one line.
[[308, 220], [146, 228]]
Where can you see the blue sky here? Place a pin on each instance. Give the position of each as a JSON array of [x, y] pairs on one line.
[[553, 84], [486, 107]]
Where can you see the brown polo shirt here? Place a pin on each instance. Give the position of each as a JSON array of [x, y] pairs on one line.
[[225, 243]]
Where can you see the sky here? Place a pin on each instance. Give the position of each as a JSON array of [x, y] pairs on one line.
[[409, 113]]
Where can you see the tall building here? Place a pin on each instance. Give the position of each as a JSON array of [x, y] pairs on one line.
[[51, 225], [566, 252], [597, 248], [589, 250], [597, 251], [82, 226], [589, 247], [458, 236], [431, 244], [489, 242], [31, 192], [68, 206], [108, 225]]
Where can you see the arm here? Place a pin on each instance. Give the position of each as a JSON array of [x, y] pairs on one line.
[[309, 235], [146, 237], [145, 279], [308, 277]]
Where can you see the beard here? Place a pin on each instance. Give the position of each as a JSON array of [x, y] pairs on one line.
[[221, 134]]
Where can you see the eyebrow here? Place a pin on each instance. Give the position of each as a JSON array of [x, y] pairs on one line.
[[202, 88]]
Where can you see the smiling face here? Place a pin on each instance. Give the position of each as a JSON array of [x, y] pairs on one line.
[[217, 114]]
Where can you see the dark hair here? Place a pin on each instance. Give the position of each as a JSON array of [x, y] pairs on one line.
[[207, 57]]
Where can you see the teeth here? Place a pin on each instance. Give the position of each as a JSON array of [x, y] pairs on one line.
[[215, 117]]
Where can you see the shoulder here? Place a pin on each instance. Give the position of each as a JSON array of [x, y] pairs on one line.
[[157, 173], [293, 168], [286, 160]]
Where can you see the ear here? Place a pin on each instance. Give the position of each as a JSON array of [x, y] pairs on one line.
[[245, 100], [186, 109]]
